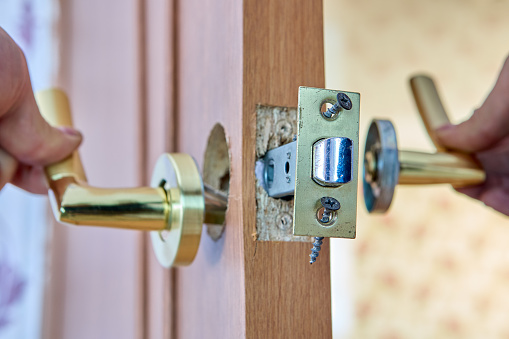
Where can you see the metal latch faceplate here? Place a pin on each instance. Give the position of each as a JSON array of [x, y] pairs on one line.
[[313, 128]]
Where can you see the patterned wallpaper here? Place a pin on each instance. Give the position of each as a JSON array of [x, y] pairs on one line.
[[437, 265]]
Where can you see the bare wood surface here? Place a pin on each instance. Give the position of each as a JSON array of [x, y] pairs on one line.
[[283, 49], [275, 126], [232, 56]]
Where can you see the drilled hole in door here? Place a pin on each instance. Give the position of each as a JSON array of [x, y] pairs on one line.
[[327, 105], [216, 170]]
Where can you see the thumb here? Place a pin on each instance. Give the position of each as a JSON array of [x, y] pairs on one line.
[[489, 123], [29, 138], [24, 133]]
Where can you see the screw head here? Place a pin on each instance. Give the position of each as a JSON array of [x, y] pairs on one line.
[[284, 221], [330, 203], [344, 101]]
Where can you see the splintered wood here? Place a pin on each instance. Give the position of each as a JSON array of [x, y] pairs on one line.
[[275, 126]]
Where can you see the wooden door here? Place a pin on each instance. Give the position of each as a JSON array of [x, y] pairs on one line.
[[148, 76], [97, 280]]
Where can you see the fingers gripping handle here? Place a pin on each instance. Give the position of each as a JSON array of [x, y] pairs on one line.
[[54, 107], [430, 107], [434, 116], [76, 202]]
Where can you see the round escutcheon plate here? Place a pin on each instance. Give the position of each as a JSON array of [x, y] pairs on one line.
[[381, 166], [177, 245]]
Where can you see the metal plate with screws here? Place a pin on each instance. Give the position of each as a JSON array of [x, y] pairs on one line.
[[314, 125]]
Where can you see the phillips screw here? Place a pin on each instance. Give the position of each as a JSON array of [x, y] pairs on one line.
[[343, 102], [330, 205]]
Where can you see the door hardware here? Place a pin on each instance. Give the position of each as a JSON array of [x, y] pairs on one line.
[[385, 165], [328, 214], [174, 208], [320, 166], [322, 162]]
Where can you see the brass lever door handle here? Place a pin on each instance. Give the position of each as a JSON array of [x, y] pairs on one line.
[[173, 208], [75, 202], [385, 165], [457, 169]]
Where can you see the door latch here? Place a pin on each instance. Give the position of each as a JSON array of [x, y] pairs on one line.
[[320, 167]]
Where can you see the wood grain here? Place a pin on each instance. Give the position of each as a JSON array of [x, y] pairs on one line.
[[231, 57], [283, 49]]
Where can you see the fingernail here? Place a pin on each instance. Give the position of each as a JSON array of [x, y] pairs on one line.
[[70, 131]]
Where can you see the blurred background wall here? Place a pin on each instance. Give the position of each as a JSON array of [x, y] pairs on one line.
[[437, 265], [23, 217]]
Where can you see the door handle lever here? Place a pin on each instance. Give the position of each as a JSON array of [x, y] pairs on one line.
[[174, 207], [385, 165]]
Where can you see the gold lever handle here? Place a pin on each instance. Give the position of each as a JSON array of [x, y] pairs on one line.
[[454, 168], [75, 202], [174, 208], [385, 165]]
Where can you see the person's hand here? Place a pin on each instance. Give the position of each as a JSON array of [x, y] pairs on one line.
[[486, 134], [27, 141]]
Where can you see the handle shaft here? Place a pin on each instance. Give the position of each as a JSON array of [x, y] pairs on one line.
[[417, 168], [431, 109]]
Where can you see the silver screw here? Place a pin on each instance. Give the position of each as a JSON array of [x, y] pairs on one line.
[[330, 205], [317, 246], [285, 221], [344, 102]]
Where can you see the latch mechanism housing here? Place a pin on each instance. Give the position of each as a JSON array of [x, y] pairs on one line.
[[320, 164]]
